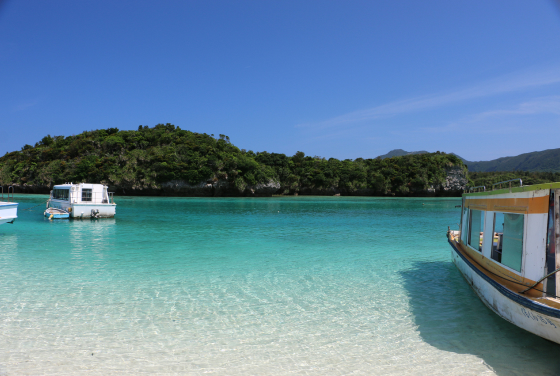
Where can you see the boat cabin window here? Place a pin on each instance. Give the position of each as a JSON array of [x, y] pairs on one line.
[[60, 194], [507, 245], [86, 194], [476, 227]]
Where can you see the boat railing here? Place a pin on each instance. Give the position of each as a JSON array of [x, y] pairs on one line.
[[507, 181], [479, 188], [10, 198], [95, 198]]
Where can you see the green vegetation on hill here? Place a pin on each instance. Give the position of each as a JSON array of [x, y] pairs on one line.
[[528, 178], [146, 158], [401, 175], [143, 158]]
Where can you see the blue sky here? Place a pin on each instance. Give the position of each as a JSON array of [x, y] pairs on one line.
[[343, 79]]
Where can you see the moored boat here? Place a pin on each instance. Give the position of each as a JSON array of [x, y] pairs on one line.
[[83, 200], [8, 208], [508, 249], [54, 213]]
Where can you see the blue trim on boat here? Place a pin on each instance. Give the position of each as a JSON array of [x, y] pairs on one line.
[[553, 312], [57, 215]]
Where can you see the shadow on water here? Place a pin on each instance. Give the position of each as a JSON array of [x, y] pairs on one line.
[[450, 317]]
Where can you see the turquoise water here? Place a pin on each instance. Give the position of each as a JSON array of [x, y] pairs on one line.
[[241, 286]]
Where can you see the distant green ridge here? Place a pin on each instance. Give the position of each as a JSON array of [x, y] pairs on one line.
[[537, 161], [540, 161], [400, 153]]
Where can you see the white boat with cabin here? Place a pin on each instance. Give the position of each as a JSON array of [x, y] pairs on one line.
[[8, 208], [508, 250], [83, 200]]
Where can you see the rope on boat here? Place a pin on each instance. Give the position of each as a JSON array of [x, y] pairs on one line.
[[539, 281], [520, 283], [33, 206]]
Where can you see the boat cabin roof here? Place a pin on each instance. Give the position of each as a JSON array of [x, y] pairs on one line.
[[82, 185]]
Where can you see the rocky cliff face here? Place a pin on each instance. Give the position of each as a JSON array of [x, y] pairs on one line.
[[456, 180], [455, 183]]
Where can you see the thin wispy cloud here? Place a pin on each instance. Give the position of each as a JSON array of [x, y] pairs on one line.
[[542, 105], [506, 84], [24, 106], [549, 105]]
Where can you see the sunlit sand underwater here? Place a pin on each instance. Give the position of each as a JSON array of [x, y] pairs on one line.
[[250, 286]]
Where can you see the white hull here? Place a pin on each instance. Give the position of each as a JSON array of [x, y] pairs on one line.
[[84, 210], [527, 314], [6, 220], [8, 211]]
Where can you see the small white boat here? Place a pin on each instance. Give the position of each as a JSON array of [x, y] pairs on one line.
[[8, 208], [54, 213], [508, 250], [82, 200]]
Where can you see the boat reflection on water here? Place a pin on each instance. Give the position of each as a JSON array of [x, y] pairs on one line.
[[92, 238]]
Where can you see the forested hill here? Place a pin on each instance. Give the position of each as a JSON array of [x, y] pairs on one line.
[[166, 160], [544, 161]]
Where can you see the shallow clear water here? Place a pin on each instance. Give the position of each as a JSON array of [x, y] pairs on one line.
[[239, 286]]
